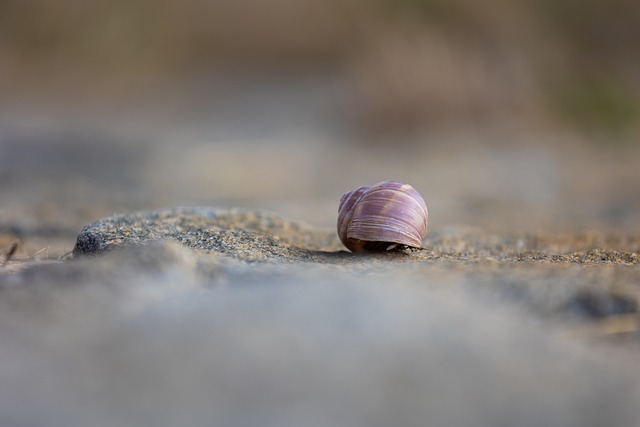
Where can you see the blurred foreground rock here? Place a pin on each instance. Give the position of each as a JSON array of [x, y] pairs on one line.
[[201, 316]]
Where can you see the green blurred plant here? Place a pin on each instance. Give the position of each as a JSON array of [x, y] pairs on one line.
[[600, 104]]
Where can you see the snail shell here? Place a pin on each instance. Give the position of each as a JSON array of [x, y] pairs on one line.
[[381, 217]]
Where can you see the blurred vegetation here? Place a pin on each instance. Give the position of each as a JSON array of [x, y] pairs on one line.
[[409, 62], [598, 105]]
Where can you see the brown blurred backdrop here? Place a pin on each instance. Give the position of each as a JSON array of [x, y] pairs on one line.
[[401, 64]]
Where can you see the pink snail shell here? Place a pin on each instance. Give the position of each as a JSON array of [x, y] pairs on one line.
[[382, 217]]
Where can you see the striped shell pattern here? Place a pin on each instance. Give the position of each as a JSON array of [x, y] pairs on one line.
[[382, 217]]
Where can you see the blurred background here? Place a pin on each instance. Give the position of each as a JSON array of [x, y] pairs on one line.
[[506, 115]]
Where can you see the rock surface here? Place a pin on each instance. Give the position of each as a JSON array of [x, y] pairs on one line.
[[514, 313], [227, 317], [241, 234], [533, 272]]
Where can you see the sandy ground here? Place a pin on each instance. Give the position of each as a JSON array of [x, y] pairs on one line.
[[522, 308]]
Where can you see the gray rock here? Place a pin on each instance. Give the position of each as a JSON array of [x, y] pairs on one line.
[[147, 336], [199, 316], [246, 235]]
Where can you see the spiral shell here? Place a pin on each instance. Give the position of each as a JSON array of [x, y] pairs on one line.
[[381, 217]]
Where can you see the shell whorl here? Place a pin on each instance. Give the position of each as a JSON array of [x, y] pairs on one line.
[[374, 218]]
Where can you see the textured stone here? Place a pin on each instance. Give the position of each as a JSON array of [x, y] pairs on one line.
[[246, 235]]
